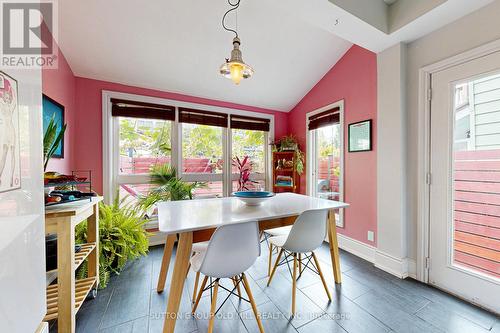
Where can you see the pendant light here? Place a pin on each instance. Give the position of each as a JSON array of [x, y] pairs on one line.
[[235, 68]]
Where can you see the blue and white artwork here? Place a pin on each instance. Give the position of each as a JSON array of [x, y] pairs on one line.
[[53, 109]]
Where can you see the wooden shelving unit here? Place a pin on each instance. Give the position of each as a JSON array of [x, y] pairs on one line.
[[65, 298], [82, 288], [281, 168]]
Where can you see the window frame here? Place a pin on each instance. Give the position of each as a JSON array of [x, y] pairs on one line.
[[111, 176]]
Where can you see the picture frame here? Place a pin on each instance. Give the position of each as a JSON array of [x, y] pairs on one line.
[[10, 167], [52, 108], [360, 136]]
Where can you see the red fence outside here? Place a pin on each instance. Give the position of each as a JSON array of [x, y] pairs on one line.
[[328, 166], [477, 210]]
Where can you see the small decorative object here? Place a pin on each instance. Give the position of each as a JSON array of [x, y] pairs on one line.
[[288, 164], [10, 169], [360, 136], [253, 198], [53, 115], [235, 68]]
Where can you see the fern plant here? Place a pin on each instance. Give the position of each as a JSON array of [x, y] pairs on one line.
[[122, 237], [51, 140]]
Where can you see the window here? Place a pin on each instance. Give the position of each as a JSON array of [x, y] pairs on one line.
[[249, 147], [143, 143], [200, 144], [202, 149]]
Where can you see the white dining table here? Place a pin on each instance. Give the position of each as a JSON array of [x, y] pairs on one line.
[[193, 221]]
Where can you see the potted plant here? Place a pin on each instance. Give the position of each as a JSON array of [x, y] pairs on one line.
[[244, 168], [122, 237], [167, 187], [51, 140], [290, 143]]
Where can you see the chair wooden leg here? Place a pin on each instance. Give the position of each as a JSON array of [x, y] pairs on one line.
[[196, 281], [294, 282], [274, 268], [300, 264], [213, 307], [236, 284], [270, 264], [246, 285], [200, 293], [316, 262]]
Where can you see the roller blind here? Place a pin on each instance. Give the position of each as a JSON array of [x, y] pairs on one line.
[[325, 118], [134, 109], [250, 123], [201, 117]]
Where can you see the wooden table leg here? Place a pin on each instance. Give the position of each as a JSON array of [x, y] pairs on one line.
[[183, 254], [334, 246], [66, 275], [165, 261]]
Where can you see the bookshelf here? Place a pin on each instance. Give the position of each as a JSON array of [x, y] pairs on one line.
[[285, 177]]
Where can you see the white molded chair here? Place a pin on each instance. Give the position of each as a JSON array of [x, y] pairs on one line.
[[273, 233], [306, 235], [232, 249]]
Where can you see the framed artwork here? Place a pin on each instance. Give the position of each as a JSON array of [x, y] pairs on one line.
[[360, 136], [53, 109], [10, 168]]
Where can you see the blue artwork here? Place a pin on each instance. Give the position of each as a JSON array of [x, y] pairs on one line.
[[53, 109]]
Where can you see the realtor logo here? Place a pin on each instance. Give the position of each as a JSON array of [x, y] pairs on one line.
[[28, 32]]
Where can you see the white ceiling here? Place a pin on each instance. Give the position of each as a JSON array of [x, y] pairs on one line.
[[390, 2], [178, 46]]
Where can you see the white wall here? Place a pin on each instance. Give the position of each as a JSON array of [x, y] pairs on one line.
[[471, 31], [391, 162]]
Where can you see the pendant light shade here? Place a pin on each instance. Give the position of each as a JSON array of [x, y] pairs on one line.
[[235, 68]]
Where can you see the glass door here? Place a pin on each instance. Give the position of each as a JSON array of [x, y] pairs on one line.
[[326, 163], [465, 181]]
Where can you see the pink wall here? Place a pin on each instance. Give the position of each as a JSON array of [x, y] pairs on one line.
[[59, 84], [353, 79], [88, 139]]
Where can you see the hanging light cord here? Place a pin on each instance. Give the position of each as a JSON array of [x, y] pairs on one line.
[[234, 6]]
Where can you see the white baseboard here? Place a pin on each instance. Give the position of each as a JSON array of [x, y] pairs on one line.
[[412, 268], [357, 248], [391, 264], [401, 268]]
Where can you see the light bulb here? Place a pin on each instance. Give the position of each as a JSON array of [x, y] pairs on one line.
[[236, 71]]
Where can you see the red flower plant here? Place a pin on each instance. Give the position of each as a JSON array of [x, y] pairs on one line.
[[244, 167]]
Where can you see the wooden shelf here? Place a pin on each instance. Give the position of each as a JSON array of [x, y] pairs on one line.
[[82, 288], [84, 252]]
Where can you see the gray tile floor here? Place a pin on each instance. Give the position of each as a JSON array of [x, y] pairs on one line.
[[369, 300]]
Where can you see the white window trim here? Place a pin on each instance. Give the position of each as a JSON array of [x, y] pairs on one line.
[[110, 133], [310, 158]]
